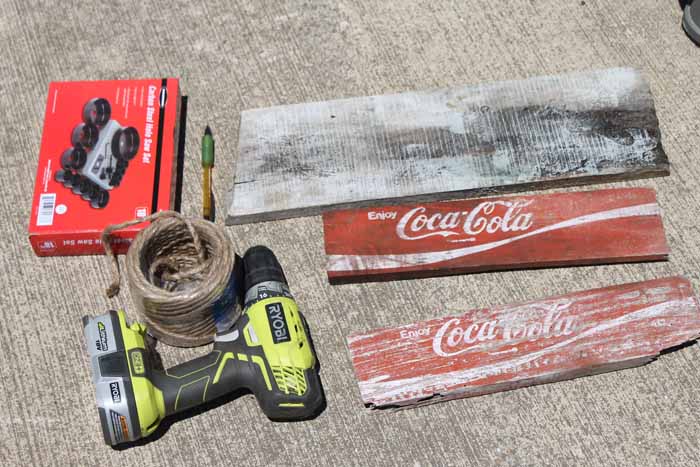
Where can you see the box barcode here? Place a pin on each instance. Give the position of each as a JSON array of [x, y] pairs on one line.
[[47, 202]]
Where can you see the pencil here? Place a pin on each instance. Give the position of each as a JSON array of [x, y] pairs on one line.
[[207, 166]]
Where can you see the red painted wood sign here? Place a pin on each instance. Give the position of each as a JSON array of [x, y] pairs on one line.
[[507, 347], [419, 240]]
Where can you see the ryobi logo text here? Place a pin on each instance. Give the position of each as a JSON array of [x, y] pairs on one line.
[[116, 394], [278, 323], [101, 343]]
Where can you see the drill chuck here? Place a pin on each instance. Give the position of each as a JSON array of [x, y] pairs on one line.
[[263, 276], [261, 265]]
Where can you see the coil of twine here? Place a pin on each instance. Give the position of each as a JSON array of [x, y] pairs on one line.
[[177, 269]]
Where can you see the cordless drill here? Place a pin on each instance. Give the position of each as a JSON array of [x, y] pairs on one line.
[[267, 351]]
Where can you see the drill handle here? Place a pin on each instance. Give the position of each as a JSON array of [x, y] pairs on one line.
[[232, 367], [229, 369], [198, 381]]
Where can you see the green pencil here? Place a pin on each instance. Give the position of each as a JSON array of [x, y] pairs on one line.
[[207, 166]]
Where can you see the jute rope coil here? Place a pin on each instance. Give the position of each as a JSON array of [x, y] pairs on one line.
[[177, 270]]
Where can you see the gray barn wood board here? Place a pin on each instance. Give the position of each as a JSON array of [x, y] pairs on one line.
[[541, 132]]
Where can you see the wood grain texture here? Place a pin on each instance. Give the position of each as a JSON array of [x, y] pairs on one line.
[[486, 234], [300, 159], [508, 347]]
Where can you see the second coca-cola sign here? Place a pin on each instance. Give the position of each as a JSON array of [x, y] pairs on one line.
[[494, 233], [506, 347], [457, 336]]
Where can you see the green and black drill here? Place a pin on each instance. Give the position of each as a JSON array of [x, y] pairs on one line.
[[267, 351]]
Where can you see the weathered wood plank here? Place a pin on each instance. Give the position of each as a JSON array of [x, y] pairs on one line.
[[485, 234], [508, 347], [426, 146]]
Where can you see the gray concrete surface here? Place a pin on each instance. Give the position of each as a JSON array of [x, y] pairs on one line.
[[233, 55]]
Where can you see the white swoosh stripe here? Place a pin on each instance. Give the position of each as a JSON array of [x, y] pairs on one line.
[[363, 262]]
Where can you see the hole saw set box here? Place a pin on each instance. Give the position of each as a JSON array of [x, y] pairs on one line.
[[111, 151]]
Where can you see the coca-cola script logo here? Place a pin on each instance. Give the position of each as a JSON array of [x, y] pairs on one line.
[[488, 216], [455, 337]]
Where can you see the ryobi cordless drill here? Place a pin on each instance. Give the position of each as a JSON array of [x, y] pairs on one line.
[[267, 351]]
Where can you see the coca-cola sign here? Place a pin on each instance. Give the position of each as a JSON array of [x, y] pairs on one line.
[[506, 347], [457, 336], [494, 233], [488, 216]]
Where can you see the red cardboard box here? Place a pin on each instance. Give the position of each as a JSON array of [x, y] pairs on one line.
[[108, 155]]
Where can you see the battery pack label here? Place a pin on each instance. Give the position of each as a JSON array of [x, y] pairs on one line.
[[120, 426]]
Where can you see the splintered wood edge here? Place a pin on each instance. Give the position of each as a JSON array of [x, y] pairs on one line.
[[530, 382], [662, 169]]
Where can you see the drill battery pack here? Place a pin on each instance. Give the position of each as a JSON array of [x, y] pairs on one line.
[[111, 151]]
